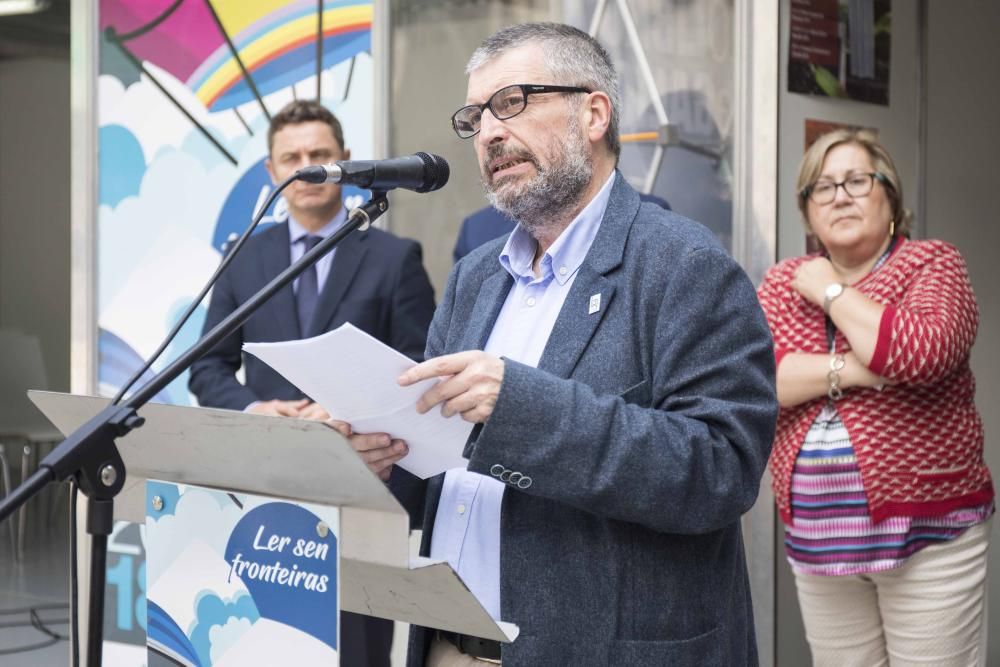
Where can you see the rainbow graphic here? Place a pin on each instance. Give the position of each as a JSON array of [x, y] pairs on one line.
[[230, 52]]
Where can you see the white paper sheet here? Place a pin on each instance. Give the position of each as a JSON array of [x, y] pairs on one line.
[[353, 376]]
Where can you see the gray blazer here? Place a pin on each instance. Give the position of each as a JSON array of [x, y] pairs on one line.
[[639, 441]]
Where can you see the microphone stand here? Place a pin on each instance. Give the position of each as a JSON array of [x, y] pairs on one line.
[[89, 453]]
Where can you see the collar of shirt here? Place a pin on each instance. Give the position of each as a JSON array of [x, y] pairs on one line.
[[568, 250], [297, 231]]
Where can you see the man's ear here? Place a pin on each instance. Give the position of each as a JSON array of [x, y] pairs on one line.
[[597, 116], [346, 153], [270, 170]]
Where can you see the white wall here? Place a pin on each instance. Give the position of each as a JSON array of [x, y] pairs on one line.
[[963, 146], [34, 207]]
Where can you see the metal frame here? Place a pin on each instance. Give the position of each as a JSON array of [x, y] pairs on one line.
[[755, 226], [628, 21], [755, 159], [381, 55], [84, 49], [84, 41]]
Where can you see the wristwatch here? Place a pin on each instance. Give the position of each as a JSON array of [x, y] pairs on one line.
[[832, 291]]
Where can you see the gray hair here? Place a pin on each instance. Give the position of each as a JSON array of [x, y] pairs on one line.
[[571, 56]]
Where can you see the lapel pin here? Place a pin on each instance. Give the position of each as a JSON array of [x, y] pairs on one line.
[[595, 304]]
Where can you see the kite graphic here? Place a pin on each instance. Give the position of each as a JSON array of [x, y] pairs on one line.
[[231, 52]]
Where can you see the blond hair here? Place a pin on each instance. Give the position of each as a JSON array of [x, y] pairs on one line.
[[812, 166]]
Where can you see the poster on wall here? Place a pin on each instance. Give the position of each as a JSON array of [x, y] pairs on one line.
[[840, 48], [185, 92], [817, 128]]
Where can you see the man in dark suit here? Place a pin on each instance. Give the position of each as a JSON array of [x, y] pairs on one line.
[[620, 374], [372, 279], [488, 223]]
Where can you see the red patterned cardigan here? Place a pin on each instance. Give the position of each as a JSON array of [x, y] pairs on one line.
[[919, 443]]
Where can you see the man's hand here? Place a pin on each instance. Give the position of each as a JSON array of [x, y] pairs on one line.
[[377, 450], [470, 384], [813, 277], [278, 408], [300, 409], [315, 412]]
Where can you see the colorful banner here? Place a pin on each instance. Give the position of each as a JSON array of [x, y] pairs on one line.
[[184, 94], [239, 580], [840, 48]]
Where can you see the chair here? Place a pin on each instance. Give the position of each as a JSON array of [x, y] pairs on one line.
[[21, 369]]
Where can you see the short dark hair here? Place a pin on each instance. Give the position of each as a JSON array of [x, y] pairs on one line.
[[304, 111]]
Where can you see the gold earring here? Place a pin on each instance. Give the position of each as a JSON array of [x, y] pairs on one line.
[[892, 227]]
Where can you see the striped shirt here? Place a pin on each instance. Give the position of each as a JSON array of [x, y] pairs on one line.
[[831, 531]]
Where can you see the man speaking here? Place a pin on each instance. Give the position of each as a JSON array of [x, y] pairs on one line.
[[621, 376]]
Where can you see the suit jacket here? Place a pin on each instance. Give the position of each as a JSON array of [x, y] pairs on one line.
[[376, 282], [643, 435], [488, 223]]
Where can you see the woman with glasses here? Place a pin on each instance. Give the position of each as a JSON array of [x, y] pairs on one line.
[[877, 464]]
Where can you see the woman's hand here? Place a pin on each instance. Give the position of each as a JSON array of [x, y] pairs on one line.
[[813, 277]]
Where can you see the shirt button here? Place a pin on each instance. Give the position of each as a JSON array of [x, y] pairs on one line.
[[461, 509], [530, 301], [563, 270]]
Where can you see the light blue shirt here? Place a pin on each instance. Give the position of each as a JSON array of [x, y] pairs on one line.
[[467, 524], [297, 231]]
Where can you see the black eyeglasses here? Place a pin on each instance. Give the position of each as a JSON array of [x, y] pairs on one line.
[[503, 104], [855, 185]]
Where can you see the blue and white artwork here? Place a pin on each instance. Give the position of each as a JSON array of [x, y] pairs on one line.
[[234, 579]]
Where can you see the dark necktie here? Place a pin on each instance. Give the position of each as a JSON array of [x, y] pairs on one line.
[[307, 293]]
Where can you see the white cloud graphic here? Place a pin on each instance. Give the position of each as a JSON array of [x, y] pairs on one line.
[[176, 193], [223, 637], [199, 517]]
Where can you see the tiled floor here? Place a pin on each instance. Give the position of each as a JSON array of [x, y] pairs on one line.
[[41, 581]]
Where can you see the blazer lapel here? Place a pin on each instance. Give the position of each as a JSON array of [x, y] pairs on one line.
[[346, 261], [592, 292], [577, 322], [492, 294], [276, 258]]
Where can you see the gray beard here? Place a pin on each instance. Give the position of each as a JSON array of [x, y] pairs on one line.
[[545, 199]]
